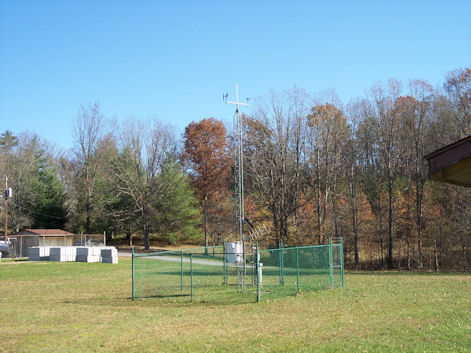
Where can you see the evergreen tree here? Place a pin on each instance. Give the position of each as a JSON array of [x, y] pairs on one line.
[[177, 216], [48, 211]]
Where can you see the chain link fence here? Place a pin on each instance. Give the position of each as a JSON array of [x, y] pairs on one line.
[[215, 274]]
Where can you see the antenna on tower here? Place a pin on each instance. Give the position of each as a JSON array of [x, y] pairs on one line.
[[238, 165], [239, 179]]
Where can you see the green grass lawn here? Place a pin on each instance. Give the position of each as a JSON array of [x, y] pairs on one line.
[[80, 307]]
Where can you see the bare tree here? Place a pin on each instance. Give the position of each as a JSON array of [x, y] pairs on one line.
[[387, 128], [326, 147], [356, 113], [88, 131], [273, 156], [414, 114], [144, 149], [458, 88]]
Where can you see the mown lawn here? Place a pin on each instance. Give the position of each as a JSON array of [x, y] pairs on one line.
[[79, 307]]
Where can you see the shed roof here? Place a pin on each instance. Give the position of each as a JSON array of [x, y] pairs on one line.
[[47, 232], [452, 163]]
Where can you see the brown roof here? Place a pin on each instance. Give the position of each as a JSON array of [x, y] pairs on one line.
[[452, 163], [50, 232], [451, 146]]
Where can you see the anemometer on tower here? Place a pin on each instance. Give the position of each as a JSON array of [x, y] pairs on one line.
[[238, 166], [239, 259]]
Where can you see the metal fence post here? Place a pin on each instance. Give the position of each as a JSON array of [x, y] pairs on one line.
[[225, 260], [281, 263], [191, 275], [132, 272], [341, 261], [331, 264], [258, 272], [297, 269], [181, 271]]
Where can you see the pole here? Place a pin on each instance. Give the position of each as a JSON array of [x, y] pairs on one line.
[[281, 263], [191, 275], [6, 209], [331, 264], [181, 271], [6, 221], [239, 169], [297, 268], [341, 261], [239, 178], [258, 272], [104, 237], [132, 271], [225, 263]]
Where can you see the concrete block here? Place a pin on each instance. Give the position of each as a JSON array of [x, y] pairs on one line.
[[109, 260]]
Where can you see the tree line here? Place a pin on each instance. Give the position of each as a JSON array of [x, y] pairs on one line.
[[314, 168]]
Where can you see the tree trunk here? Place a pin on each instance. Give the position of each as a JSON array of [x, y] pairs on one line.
[[334, 211], [318, 194], [408, 253], [205, 206], [88, 211], [129, 236], [145, 228], [390, 223], [380, 231], [355, 235], [381, 250], [419, 192]]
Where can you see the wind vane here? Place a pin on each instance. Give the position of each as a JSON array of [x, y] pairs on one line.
[[238, 166]]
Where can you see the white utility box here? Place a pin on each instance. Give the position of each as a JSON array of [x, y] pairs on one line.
[[234, 252]]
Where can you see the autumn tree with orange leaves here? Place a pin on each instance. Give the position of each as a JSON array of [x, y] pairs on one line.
[[206, 155]]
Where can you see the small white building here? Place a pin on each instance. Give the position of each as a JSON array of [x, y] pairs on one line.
[[41, 237]]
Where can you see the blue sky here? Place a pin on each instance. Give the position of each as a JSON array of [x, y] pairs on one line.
[[174, 59]]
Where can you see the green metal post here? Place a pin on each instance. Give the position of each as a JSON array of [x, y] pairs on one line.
[[281, 263], [331, 264], [191, 275], [258, 272], [297, 268], [132, 272], [341, 260], [225, 265], [181, 271]]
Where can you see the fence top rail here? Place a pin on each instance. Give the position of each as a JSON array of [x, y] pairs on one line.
[[177, 252], [298, 247], [188, 251]]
